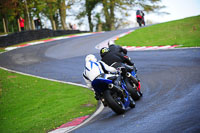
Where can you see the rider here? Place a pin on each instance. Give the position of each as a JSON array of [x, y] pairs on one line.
[[114, 58], [140, 14], [116, 48], [94, 68]]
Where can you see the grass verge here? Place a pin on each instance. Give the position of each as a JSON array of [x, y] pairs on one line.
[[2, 50], [185, 32], [29, 104]]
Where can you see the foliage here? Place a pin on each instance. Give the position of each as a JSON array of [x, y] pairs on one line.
[[57, 12], [111, 10], [185, 32]]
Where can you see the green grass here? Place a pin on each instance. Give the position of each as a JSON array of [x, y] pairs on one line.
[[29, 104], [3, 33], [2, 50], [185, 32]]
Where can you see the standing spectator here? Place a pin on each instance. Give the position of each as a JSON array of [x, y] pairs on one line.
[[37, 23], [21, 23], [74, 27], [70, 26]]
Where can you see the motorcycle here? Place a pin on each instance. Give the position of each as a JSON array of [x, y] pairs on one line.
[[140, 20], [112, 91], [133, 83], [130, 78]]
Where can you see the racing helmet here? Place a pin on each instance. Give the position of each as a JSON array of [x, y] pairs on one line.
[[111, 42], [90, 57], [104, 51]]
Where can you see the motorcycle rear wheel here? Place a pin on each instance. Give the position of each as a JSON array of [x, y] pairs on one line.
[[133, 91], [116, 105]]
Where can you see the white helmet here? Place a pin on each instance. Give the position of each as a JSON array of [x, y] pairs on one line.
[[90, 57], [111, 42]]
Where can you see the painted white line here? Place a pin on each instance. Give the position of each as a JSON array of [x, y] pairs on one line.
[[153, 48], [62, 130], [105, 43], [87, 120], [60, 38], [164, 47], [10, 48], [34, 43]]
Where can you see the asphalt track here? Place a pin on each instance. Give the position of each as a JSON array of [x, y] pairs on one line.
[[170, 82]]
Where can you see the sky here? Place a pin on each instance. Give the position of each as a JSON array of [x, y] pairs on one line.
[[178, 9]]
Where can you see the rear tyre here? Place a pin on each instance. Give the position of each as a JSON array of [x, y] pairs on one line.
[[132, 89], [113, 102]]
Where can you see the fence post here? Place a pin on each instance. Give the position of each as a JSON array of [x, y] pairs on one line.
[[33, 25], [19, 28], [4, 26]]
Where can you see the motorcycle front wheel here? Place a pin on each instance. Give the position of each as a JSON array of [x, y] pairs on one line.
[[132, 102], [113, 102]]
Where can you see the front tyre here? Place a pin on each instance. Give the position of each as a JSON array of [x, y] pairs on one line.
[[132, 102], [141, 94], [113, 102]]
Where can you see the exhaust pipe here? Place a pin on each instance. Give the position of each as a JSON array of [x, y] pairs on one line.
[[110, 86], [115, 88], [128, 75]]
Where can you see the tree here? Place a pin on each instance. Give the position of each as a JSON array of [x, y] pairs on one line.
[[65, 6], [10, 11], [37, 9], [50, 11], [108, 8], [87, 11], [62, 12], [111, 7], [90, 5]]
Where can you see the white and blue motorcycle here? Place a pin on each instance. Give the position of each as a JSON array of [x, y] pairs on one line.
[[112, 91]]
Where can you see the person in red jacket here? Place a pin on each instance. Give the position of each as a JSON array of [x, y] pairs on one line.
[[21, 23]]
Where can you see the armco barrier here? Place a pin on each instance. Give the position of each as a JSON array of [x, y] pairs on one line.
[[25, 36]]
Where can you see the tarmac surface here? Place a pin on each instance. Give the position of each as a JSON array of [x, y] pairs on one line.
[[170, 81]]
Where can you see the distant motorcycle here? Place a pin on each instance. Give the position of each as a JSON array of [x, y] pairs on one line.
[[140, 17], [140, 20], [113, 95]]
